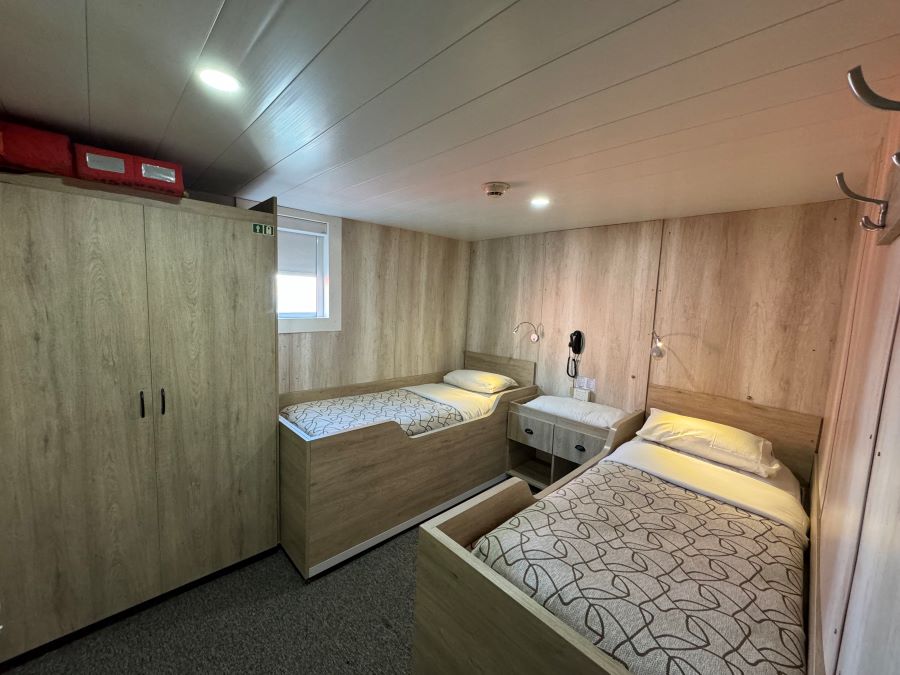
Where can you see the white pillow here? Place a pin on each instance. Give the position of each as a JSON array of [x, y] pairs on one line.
[[593, 414], [709, 440], [479, 381]]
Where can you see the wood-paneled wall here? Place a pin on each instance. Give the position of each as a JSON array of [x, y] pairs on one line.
[[859, 558], [747, 304], [403, 311], [598, 280]]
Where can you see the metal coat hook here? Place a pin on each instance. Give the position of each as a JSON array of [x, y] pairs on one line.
[[864, 92], [865, 221], [896, 158]]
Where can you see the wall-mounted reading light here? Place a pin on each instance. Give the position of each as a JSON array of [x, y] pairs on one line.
[[657, 351], [534, 337]]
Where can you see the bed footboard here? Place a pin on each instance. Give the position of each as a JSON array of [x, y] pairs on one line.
[[469, 619]]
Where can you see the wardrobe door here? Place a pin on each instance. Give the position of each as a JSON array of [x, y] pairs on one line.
[[213, 338], [78, 521]]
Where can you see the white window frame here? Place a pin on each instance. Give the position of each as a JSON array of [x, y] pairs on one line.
[[331, 291]]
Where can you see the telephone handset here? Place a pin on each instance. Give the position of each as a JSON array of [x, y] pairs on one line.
[[576, 346], [576, 342]]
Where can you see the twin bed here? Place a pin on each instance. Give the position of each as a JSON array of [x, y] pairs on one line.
[[359, 464], [652, 560]]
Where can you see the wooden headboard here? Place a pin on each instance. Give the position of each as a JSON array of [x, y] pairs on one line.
[[794, 435], [518, 369]]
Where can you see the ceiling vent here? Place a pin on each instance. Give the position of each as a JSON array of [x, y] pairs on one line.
[[494, 189]]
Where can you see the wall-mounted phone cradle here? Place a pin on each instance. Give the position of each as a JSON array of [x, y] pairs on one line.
[[576, 346]]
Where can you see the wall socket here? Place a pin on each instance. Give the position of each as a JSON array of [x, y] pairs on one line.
[[588, 383]]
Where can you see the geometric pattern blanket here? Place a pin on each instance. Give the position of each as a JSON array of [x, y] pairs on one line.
[[662, 578], [415, 414]]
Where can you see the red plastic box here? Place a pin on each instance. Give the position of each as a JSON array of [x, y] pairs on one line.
[[29, 148], [154, 174], [104, 165]]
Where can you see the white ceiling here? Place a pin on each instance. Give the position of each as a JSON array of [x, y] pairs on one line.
[[396, 111]]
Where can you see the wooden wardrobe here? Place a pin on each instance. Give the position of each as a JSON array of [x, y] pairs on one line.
[[138, 400]]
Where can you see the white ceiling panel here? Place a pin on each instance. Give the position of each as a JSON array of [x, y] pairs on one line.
[[540, 167], [665, 100], [396, 111], [140, 60], [43, 62], [266, 45], [385, 42], [596, 67], [528, 35]]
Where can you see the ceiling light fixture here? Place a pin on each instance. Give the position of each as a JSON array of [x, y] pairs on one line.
[[219, 80], [540, 202]]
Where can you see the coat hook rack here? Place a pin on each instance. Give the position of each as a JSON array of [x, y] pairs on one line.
[[865, 221], [864, 92]]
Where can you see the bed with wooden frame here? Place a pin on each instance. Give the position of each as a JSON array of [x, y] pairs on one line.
[[343, 493], [468, 618]]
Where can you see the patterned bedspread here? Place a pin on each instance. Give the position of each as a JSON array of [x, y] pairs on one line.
[[415, 414], [662, 578]]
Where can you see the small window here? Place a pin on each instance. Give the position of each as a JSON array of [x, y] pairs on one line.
[[309, 269]]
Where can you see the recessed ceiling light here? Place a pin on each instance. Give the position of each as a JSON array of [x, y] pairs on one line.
[[540, 202], [219, 80]]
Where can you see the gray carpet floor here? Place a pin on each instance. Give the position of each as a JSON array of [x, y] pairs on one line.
[[262, 618]]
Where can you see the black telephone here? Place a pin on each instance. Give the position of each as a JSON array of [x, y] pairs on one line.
[[576, 346]]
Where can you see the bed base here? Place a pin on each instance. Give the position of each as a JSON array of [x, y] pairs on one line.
[[344, 493], [468, 618]]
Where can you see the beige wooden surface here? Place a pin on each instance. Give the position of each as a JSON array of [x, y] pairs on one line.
[[749, 303], [77, 466], [888, 180], [521, 370], [530, 431], [794, 435], [211, 290], [854, 434], [469, 619], [872, 627], [403, 311], [601, 280], [815, 662], [365, 482], [123, 194], [505, 288], [293, 476]]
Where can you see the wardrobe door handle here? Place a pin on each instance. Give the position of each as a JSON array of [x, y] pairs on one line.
[[579, 448], [529, 431], [143, 412], [162, 399]]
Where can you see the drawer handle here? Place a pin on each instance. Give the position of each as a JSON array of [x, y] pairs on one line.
[[579, 448], [529, 431]]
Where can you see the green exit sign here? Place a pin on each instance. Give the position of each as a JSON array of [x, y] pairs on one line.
[[259, 228]]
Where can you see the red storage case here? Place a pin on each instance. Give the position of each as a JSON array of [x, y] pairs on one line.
[[104, 165], [154, 174], [28, 148]]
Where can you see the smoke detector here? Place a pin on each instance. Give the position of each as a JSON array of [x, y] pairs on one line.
[[495, 189]]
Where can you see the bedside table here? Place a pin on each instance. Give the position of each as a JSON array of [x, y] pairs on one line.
[[541, 448]]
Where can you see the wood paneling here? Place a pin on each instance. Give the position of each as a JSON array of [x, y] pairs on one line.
[[505, 288], [77, 465], [403, 312], [856, 425], [602, 281], [749, 303], [794, 435], [872, 626], [212, 315], [521, 370]]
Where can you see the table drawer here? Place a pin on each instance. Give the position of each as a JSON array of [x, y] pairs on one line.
[[533, 432], [576, 446]]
